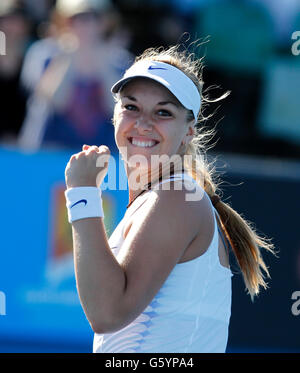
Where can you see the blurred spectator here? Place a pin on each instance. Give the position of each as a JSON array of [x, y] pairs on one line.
[[279, 114], [152, 23], [16, 27], [241, 42], [39, 9], [69, 74]]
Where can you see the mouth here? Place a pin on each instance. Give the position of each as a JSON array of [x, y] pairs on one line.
[[142, 143]]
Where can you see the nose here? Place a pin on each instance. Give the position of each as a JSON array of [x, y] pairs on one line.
[[143, 125]]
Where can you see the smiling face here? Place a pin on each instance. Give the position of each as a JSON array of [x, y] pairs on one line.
[[149, 120]]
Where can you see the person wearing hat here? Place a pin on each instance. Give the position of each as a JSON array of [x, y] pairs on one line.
[[68, 76], [162, 282], [70, 8]]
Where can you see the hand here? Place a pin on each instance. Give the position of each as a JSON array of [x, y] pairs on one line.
[[88, 167]]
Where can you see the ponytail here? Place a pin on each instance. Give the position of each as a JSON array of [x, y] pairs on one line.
[[244, 240], [246, 245]]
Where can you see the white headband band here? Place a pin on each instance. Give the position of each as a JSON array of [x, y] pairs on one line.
[[182, 87]]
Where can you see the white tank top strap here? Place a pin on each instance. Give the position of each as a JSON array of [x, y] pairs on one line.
[[178, 176], [137, 203], [141, 199]]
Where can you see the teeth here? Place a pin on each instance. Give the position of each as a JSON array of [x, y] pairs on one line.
[[143, 144]]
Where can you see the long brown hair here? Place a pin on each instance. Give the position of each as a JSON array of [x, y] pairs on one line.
[[246, 243]]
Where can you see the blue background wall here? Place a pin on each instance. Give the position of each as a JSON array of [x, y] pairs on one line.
[[36, 265], [42, 310]]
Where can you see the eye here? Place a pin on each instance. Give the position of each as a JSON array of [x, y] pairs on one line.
[[131, 107], [164, 113]]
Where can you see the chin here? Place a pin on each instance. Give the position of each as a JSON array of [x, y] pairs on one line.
[[139, 160]]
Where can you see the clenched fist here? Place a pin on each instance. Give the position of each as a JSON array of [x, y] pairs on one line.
[[88, 167]]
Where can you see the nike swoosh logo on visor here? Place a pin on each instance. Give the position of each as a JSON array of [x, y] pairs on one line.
[[81, 201], [156, 68]]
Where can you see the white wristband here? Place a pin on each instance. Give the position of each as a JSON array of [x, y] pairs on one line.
[[83, 202]]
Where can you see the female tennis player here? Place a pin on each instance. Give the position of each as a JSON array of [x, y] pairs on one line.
[[162, 282]]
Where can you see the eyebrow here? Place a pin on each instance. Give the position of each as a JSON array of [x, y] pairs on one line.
[[159, 103], [168, 102]]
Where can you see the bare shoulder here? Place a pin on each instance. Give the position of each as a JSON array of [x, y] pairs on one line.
[[185, 199], [174, 205]]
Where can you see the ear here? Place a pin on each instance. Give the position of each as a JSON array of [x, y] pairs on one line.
[[190, 132]]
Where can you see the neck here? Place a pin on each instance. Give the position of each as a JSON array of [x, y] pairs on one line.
[[140, 180]]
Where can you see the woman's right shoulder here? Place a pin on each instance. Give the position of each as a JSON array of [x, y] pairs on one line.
[[174, 199]]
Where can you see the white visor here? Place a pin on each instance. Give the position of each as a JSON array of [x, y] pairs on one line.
[[182, 87]]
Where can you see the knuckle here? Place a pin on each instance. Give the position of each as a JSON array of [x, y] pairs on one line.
[[92, 149], [104, 149]]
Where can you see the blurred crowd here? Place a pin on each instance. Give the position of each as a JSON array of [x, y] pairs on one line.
[[62, 56]]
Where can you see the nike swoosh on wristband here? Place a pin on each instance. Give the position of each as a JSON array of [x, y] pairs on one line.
[[156, 68], [81, 201]]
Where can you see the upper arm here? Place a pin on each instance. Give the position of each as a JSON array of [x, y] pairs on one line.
[[157, 239]]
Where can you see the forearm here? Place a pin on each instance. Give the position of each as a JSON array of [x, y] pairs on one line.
[[100, 279]]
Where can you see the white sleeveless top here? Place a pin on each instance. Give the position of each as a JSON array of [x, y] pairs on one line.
[[191, 311]]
